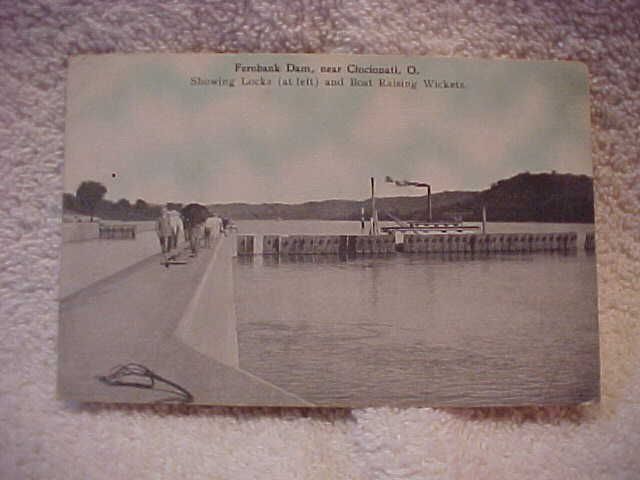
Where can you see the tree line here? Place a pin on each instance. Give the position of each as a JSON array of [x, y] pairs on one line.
[[89, 200], [526, 197]]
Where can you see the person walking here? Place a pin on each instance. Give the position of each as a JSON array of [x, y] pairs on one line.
[[194, 215], [164, 231], [177, 228], [196, 233], [212, 229]]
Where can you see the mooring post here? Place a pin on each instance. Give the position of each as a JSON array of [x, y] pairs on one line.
[[374, 213]]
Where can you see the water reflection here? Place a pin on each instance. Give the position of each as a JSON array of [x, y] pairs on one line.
[[275, 260]]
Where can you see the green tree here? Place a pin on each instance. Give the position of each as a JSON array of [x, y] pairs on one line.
[[68, 201], [124, 204], [89, 194], [141, 204]]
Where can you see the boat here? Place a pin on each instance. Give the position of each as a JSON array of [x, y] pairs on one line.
[[429, 227], [432, 228], [425, 227]]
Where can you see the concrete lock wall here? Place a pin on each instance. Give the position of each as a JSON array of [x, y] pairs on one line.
[[407, 242], [244, 244], [117, 232], [486, 243], [271, 245], [371, 244], [314, 244], [77, 232], [209, 322], [590, 241]]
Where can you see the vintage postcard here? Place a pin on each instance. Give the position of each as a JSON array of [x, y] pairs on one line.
[[315, 230]]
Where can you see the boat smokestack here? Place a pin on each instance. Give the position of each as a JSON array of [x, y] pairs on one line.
[[407, 183]]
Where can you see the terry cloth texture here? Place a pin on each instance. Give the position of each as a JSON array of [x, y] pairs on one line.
[[41, 437]]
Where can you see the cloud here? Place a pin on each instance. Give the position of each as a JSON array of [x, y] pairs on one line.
[[322, 173], [159, 146], [167, 140]]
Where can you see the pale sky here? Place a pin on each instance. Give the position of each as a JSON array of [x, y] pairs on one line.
[[165, 140]]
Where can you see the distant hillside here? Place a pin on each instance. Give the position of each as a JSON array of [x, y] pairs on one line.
[[526, 197], [546, 197], [403, 207]]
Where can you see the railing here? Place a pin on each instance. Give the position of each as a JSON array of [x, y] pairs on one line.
[[117, 232]]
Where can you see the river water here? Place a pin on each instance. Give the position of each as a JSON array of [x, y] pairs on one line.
[[421, 329]]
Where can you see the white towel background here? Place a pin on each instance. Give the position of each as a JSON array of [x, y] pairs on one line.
[[41, 437]]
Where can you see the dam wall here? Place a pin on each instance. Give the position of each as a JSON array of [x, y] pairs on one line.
[[488, 243], [247, 245], [590, 242], [117, 232], [209, 322], [80, 231]]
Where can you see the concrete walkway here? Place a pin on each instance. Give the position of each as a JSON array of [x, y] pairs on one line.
[[86, 262], [133, 316]]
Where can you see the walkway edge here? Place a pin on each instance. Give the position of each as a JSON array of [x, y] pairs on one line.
[[208, 324]]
